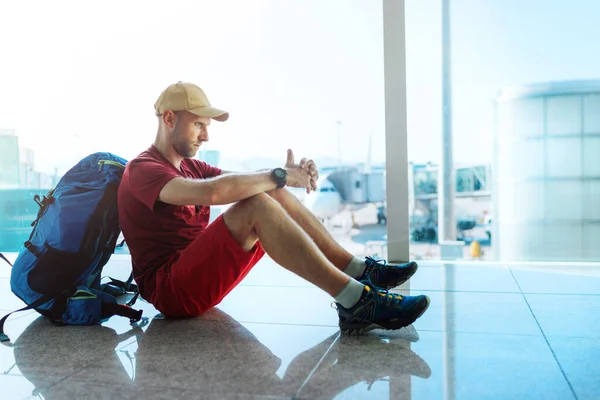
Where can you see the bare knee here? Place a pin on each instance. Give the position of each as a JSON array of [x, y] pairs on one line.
[[277, 194], [245, 214], [284, 197], [241, 218], [259, 204], [281, 195]]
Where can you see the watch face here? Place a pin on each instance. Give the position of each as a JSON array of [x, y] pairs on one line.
[[280, 173]]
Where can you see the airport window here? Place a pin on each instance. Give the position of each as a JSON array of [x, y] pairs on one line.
[[106, 80], [522, 136], [523, 113]]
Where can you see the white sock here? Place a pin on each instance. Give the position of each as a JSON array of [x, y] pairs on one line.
[[355, 268], [350, 294]]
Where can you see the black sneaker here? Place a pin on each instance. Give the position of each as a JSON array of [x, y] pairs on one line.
[[379, 309], [386, 275]]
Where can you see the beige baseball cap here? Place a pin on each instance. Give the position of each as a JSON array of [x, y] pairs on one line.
[[183, 96]]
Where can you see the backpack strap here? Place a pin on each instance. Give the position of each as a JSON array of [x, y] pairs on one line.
[[6, 259], [116, 287], [127, 286], [110, 309], [41, 301], [131, 302]]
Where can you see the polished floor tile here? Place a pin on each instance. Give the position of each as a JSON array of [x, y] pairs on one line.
[[5, 269], [118, 267], [579, 359], [17, 387], [14, 328], [56, 352], [567, 315], [367, 366], [571, 280], [215, 355], [440, 365], [276, 337], [429, 277], [122, 325], [71, 389], [505, 313], [268, 273], [285, 305], [464, 279], [8, 301], [488, 366]]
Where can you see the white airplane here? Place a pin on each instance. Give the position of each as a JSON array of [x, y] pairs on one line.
[[325, 202], [345, 189]]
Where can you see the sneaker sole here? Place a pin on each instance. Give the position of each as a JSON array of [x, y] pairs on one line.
[[361, 329]]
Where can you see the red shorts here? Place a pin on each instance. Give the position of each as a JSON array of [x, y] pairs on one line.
[[205, 272]]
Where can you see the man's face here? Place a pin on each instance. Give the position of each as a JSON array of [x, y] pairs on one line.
[[189, 132]]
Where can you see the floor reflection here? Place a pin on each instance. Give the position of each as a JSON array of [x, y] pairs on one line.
[[212, 354], [480, 339]]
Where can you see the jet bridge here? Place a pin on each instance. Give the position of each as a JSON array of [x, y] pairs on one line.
[[357, 187]]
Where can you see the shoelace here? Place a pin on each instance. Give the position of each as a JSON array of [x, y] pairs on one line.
[[374, 265], [390, 298], [371, 262], [383, 295]]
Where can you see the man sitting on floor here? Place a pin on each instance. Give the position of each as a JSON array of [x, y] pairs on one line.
[[184, 266]]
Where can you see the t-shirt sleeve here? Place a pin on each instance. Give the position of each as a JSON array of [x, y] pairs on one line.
[[147, 178], [208, 171]]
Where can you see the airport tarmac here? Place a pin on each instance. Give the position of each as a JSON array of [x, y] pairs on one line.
[[367, 237]]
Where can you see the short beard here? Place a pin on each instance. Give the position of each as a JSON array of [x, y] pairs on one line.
[[180, 144]]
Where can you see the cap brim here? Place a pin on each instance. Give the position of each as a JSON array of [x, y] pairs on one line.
[[211, 112]]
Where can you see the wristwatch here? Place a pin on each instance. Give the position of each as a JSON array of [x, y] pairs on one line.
[[279, 175]]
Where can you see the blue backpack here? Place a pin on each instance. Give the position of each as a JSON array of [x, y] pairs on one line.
[[58, 271]]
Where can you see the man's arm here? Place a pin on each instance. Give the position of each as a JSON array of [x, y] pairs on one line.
[[227, 188], [233, 172]]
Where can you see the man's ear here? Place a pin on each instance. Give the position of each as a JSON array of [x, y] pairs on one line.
[[168, 118]]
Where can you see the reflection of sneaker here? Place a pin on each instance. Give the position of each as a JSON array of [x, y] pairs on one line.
[[387, 275], [379, 309], [393, 358], [365, 367]]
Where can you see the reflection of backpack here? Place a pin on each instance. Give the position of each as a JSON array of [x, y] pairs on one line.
[[58, 272], [32, 357]]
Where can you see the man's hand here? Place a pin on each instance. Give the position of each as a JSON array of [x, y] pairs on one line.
[[307, 165], [299, 178]]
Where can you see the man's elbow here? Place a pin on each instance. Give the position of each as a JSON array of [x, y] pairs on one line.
[[214, 196], [197, 193], [221, 195]]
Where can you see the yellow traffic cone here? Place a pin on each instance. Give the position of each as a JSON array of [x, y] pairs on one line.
[[475, 249]]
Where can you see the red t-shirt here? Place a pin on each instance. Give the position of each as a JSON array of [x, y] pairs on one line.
[[155, 232]]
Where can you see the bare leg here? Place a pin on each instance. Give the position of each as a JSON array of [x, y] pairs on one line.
[[262, 218], [315, 229]]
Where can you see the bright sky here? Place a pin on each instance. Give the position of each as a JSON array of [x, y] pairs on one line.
[[495, 44], [77, 78]]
